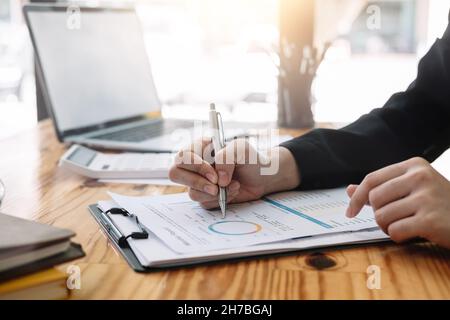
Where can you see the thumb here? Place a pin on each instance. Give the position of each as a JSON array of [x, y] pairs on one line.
[[225, 162]]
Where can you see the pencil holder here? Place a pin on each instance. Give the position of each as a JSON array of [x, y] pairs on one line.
[[297, 70]]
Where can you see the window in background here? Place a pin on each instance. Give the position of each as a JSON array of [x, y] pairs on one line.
[[218, 51], [396, 32], [365, 64], [17, 92], [4, 11], [226, 51]]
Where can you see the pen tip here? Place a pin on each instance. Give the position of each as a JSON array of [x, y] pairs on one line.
[[222, 209]]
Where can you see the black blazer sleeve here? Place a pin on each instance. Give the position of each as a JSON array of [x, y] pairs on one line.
[[412, 123]]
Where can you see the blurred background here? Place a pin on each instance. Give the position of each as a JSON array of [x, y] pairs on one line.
[[227, 51]]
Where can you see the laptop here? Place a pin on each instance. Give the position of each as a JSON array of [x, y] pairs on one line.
[[97, 81]]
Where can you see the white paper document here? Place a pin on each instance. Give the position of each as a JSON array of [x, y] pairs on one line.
[[152, 252], [157, 182], [186, 228]]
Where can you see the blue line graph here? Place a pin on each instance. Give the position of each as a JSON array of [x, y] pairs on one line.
[[298, 213]]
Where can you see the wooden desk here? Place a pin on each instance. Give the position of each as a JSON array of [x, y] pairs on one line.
[[37, 189]]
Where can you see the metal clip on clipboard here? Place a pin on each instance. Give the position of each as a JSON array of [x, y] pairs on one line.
[[112, 229], [117, 239]]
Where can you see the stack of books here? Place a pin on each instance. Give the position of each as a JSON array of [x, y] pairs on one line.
[[45, 285], [28, 252]]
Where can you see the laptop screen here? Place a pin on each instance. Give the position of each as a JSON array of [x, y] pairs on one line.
[[96, 68]]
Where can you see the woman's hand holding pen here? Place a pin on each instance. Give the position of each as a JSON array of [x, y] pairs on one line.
[[232, 170]]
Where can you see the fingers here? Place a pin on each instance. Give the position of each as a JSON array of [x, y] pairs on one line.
[[404, 229], [389, 191], [232, 193], [191, 159], [395, 211], [201, 167], [193, 181], [361, 194], [226, 159], [214, 204], [202, 197], [351, 189]]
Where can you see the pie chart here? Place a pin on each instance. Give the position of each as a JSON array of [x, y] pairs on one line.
[[234, 228]]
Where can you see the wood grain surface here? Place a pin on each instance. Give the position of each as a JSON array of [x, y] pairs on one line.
[[37, 189]]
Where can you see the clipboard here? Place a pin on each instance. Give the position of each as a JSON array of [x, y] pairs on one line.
[[120, 243], [121, 246]]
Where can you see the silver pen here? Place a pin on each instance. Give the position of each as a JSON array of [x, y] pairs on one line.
[[218, 140]]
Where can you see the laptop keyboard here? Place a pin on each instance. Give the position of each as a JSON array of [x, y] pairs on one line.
[[144, 132]]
